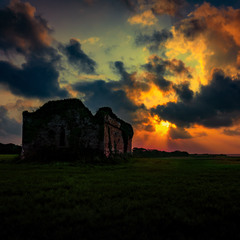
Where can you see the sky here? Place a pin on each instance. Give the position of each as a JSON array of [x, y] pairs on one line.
[[171, 68]]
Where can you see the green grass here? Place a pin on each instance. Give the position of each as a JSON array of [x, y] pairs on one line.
[[8, 158], [168, 198]]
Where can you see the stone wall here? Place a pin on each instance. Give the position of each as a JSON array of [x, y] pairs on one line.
[[113, 140], [58, 134], [67, 126]]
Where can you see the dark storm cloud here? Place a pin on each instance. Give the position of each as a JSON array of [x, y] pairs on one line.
[[155, 41], [183, 91], [162, 83], [36, 78], [128, 80], [8, 126], [175, 8], [24, 33], [177, 67], [102, 93], [178, 133], [78, 58], [191, 28], [155, 65], [21, 30], [113, 93], [119, 66], [215, 105], [161, 68], [158, 70], [220, 3]]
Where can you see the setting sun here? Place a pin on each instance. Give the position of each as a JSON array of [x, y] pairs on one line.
[[161, 127]]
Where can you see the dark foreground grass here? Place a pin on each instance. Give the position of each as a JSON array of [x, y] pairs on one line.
[[174, 198]]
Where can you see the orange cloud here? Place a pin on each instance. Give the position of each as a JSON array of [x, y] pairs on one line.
[[208, 38], [146, 18], [15, 108], [204, 140], [91, 40], [25, 8], [23, 19], [170, 7], [159, 7]]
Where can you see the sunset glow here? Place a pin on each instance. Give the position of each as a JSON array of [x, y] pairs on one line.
[[161, 127], [170, 68]]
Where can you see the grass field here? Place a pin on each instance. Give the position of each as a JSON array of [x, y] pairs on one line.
[[168, 198]]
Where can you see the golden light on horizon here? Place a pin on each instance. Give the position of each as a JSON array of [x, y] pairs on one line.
[[161, 127]]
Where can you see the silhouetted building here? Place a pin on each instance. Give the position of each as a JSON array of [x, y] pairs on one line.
[[66, 128]]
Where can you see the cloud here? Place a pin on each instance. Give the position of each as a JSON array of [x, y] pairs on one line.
[[77, 57], [147, 18], [155, 41], [230, 132], [108, 50], [218, 30], [158, 68], [24, 33], [162, 66], [169, 7], [129, 4], [21, 30], [192, 27], [8, 126], [119, 95], [37, 78], [200, 134], [178, 67], [178, 133], [162, 83], [183, 91], [215, 105], [100, 93], [91, 40], [158, 7], [128, 81]]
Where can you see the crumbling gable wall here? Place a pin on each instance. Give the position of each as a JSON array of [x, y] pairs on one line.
[[113, 140], [67, 126], [117, 133]]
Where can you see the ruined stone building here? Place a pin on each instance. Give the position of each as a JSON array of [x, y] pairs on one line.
[[68, 128]]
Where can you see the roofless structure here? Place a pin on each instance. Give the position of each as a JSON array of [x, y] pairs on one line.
[[66, 128]]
